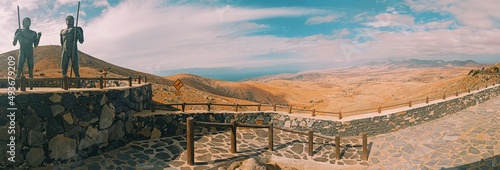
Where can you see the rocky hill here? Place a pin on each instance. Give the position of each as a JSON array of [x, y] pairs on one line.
[[48, 64], [240, 90], [196, 89]]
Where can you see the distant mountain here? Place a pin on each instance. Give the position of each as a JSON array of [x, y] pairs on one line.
[[391, 64], [302, 76], [416, 63]]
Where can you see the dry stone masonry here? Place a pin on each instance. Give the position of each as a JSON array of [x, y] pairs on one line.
[[64, 126]]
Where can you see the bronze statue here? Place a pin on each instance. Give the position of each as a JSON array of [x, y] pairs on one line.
[[69, 48], [27, 40]]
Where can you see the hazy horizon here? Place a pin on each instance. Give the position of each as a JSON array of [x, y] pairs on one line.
[[241, 74]]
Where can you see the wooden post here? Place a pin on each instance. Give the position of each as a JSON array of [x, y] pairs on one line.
[[311, 140], [233, 136], [314, 112], [444, 96], [139, 80], [365, 146], [409, 103], [208, 106], [486, 85], [104, 72], [183, 108], [130, 81], [456, 94], [258, 108], [65, 83], [427, 100], [145, 79], [153, 106], [236, 107], [340, 115], [190, 140], [101, 84], [290, 109], [468, 90], [337, 146], [270, 135], [78, 82], [23, 83], [30, 83], [274, 107], [379, 109]]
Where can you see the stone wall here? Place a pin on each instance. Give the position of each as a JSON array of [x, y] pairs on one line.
[[386, 123], [172, 124], [63, 126]]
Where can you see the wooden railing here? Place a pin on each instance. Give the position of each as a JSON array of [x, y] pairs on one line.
[[339, 114], [65, 81], [191, 123]]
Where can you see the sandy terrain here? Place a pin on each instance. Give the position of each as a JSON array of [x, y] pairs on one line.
[[348, 90], [351, 90]]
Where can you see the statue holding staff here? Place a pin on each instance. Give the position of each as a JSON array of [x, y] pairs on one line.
[[69, 37], [28, 39]]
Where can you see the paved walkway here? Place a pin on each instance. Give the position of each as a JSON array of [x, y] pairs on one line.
[[212, 151], [452, 141], [459, 140]]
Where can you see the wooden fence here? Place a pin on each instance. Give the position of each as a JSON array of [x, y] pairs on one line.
[[65, 81], [191, 123], [339, 114]]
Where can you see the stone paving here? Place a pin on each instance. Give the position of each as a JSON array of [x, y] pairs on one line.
[[456, 140], [212, 151]]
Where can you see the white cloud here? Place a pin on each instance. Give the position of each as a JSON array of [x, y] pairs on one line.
[[438, 24], [341, 33], [182, 36], [477, 14], [62, 2], [101, 3], [25, 4], [391, 20], [174, 36], [361, 17], [462, 41], [322, 19]]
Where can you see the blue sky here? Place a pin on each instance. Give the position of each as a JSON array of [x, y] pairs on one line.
[[164, 36]]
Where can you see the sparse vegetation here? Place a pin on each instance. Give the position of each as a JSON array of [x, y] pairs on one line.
[[488, 70], [172, 100]]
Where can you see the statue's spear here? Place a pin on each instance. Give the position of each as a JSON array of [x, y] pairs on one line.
[[19, 24], [74, 51], [18, 18]]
